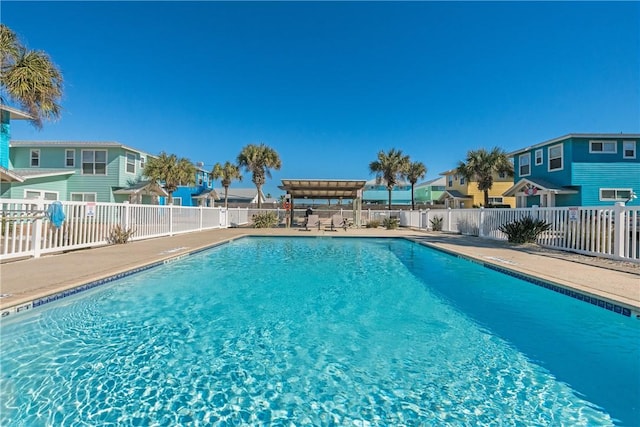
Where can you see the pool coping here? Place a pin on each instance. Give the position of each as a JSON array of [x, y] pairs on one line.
[[612, 304]]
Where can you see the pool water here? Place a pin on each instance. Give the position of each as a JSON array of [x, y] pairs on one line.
[[320, 331]]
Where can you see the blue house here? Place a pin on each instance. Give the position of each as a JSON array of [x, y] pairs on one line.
[[376, 192], [200, 194], [577, 170]]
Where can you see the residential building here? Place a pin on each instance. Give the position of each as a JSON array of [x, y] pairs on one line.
[[199, 194], [239, 196], [577, 170], [78, 171], [460, 193], [429, 192], [375, 192]]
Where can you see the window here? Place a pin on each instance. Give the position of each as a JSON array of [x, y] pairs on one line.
[[495, 200], [70, 158], [629, 149], [40, 194], [502, 175], [83, 197], [615, 194], [525, 164], [555, 158], [609, 147], [538, 157], [461, 180], [177, 201], [35, 158], [94, 162], [449, 180], [141, 163], [131, 163]]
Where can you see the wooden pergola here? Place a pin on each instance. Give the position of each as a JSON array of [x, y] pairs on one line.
[[325, 189]]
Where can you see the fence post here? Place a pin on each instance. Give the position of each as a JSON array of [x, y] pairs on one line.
[[481, 222], [619, 229], [201, 217], [426, 218], [37, 232], [171, 219], [125, 219], [448, 220]]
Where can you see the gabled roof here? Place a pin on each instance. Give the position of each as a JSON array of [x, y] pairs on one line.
[[438, 181], [15, 114], [75, 144], [144, 187], [207, 193], [9, 176], [538, 184], [454, 194], [577, 135]]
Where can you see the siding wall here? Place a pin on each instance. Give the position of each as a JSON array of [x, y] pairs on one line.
[[594, 176]]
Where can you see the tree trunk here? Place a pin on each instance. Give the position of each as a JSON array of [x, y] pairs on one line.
[[389, 190], [259, 198], [226, 196], [486, 198]]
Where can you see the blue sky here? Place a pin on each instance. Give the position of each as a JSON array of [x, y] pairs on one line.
[[329, 84]]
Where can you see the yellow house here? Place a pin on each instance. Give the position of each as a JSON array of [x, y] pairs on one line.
[[460, 193]]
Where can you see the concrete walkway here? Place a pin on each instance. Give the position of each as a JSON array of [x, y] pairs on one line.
[[26, 280]]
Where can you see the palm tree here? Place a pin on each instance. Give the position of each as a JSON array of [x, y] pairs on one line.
[[227, 172], [258, 159], [29, 78], [390, 167], [481, 165], [415, 172], [170, 170]]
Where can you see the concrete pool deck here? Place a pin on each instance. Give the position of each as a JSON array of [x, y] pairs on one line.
[[23, 281]]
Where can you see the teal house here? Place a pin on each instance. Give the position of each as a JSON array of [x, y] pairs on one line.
[[427, 193], [375, 192], [577, 170], [77, 171]]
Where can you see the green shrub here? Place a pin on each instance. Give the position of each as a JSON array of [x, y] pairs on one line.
[[525, 230], [374, 223], [119, 235], [391, 223], [265, 220], [436, 223]]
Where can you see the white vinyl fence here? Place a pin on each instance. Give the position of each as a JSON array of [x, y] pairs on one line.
[[26, 231], [611, 232]]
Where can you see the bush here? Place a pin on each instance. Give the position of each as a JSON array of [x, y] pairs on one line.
[[391, 223], [374, 223], [119, 235], [436, 223], [525, 230], [265, 220]]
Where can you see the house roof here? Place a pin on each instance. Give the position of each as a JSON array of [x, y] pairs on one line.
[[74, 144], [15, 114], [577, 135], [245, 194], [454, 194], [322, 188], [32, 173], [539, 184], [438, 181], [144, 187], [208, 193], [9, 176]]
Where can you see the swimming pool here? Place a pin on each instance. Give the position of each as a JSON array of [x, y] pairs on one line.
[[320, 331]]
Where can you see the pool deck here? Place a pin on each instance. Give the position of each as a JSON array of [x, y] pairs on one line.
[[23, 281]]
